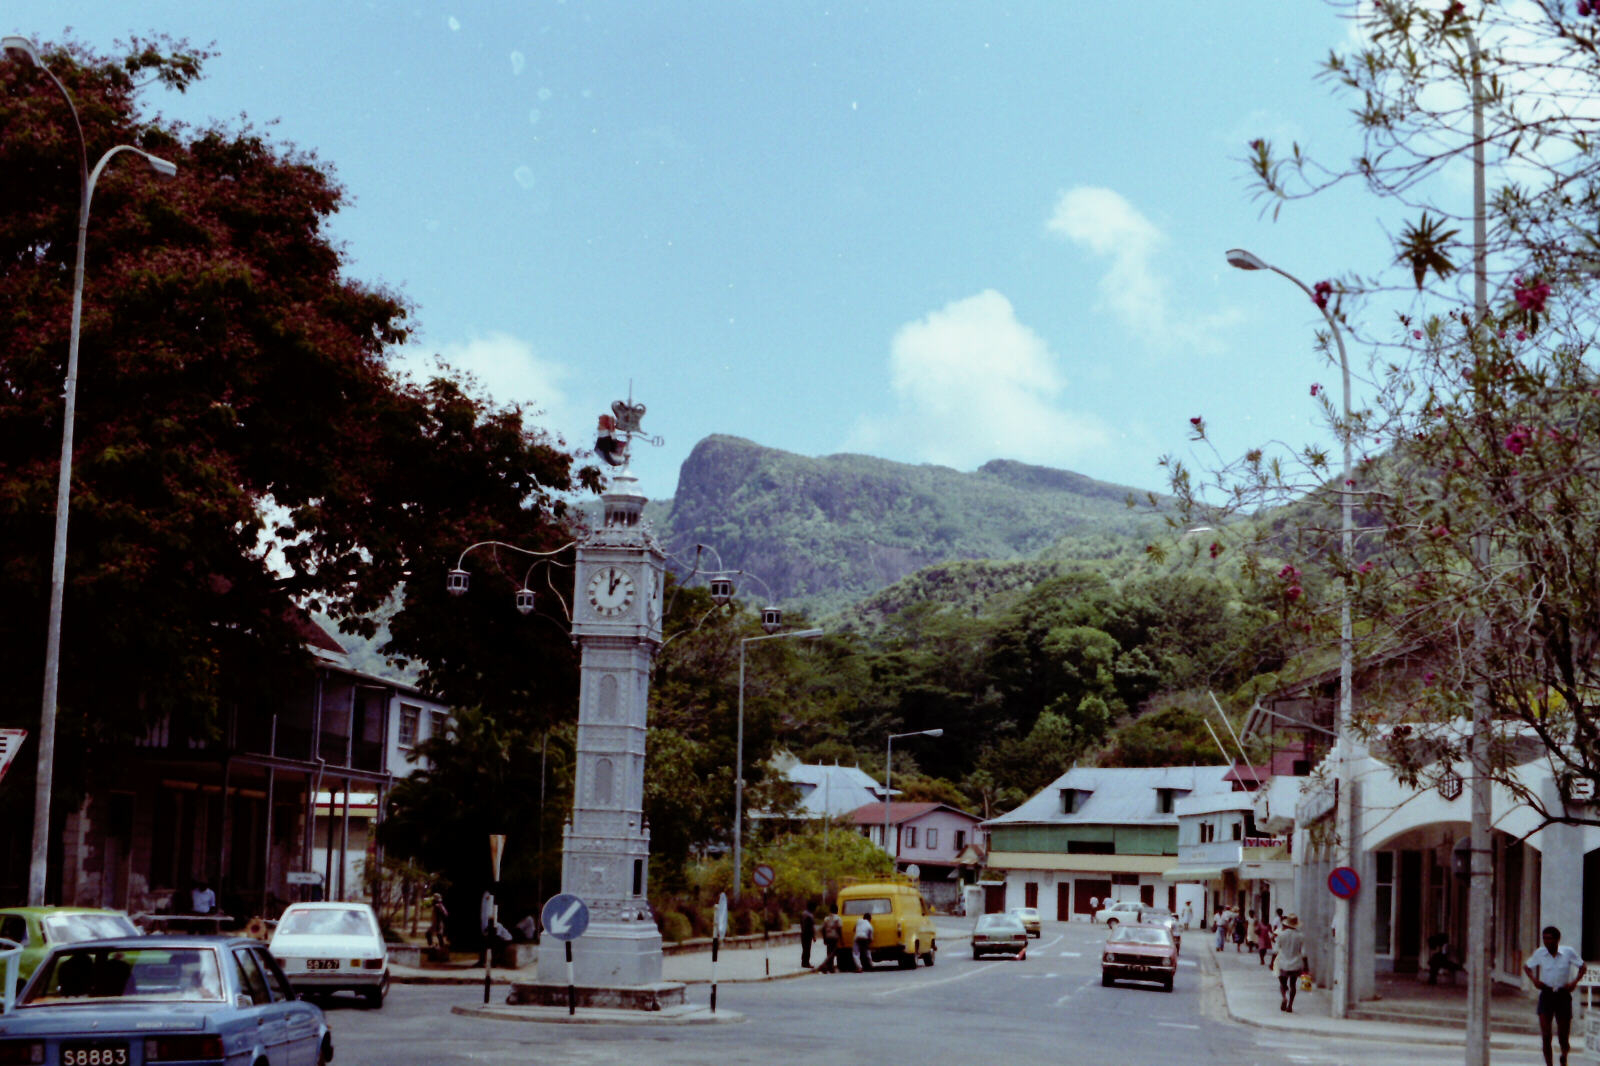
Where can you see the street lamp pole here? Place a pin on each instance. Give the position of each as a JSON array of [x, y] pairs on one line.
[[738, 755], [888, 793], [1344, 765], [20, 48]]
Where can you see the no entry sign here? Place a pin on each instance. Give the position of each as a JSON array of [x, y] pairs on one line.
[[1344, 882]]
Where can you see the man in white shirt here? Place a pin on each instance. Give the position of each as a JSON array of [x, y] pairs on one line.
[[1555, 972], [864, 942]]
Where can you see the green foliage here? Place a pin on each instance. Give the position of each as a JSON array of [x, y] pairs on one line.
[[1174, 735]]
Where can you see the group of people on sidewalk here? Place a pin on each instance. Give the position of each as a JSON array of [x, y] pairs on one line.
[[1281, 939]]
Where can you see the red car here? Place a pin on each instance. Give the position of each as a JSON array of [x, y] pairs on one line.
[[1139, 953]]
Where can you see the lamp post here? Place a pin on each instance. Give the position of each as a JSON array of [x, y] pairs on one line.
[[1344, 766], [738, 754], [21, 49], [888, 793]]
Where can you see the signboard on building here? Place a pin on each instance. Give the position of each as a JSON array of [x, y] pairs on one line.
[[1316, 802], [10, 743], [303, 877]]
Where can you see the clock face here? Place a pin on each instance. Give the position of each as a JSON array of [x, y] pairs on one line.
[[610, 591]]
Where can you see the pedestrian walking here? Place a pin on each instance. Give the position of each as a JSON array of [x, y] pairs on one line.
[[1291, 961], [832, 931], [1094, 907], [441, 915], [808, 933], [1555, 972], [864, 942], [1251, 936], [1220, 924], [1188, 915], [1263, 938], [1238, 925]]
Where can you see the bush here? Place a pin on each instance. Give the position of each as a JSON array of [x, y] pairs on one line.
[[675, 926]]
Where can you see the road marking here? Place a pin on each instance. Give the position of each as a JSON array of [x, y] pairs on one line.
[[1178, 1025], [1071, 954], [938, 981]]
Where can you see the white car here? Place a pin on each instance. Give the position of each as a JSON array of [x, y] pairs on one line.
[[1124, 910], [332, 947]]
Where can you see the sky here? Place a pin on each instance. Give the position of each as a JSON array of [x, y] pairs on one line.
[[930, 231]]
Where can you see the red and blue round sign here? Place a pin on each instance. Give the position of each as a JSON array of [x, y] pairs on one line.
[[1344, 882]]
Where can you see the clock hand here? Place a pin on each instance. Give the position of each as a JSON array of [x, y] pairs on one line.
[[615, 578]]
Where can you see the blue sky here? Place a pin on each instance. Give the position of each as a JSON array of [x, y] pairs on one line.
[[934, 232]]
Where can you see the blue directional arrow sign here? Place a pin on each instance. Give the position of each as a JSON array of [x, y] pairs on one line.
[[565, 917]]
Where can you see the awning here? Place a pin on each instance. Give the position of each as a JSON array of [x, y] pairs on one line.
[[1195, 873]]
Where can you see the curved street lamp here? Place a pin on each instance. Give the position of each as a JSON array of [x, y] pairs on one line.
[[21, 49], [1344, 767], [888, 793], [738, 755]]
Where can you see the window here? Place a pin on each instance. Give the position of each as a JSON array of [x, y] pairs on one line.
[[910, 832], [1208, 832], [961, 839], [1091, 847], [438, 722], [1238, 830], [1164, 800], [410, 718], [932, 840], [1069, 801]]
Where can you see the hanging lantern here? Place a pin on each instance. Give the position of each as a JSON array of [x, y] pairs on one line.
[[721, 590], [456, 582], [525, 600], [771, 619]]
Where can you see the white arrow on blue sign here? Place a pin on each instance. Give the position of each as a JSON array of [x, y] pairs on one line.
[[565, 916]]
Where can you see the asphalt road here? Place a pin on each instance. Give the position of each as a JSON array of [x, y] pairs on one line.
[[1047, 1009]]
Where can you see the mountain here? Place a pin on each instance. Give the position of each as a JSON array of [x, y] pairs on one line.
[[828, 530]]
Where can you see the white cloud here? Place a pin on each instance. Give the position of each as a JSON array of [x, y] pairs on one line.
[[1133, 290], [503, 368], [971, 383]]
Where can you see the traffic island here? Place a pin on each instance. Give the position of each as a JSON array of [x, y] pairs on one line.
[[657, 996], [683, 1014]]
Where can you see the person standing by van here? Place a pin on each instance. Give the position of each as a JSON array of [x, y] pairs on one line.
[[864, 942], [832, 933]]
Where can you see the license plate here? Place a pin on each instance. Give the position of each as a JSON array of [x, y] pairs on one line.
[[322, 964], [103, 1053]]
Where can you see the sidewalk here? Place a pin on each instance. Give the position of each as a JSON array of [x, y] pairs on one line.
[[1407, 1011]]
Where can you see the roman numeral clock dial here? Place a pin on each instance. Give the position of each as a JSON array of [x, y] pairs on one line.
[[610, 591]]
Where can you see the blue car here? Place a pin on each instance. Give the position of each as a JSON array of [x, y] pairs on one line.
[[163, 999]]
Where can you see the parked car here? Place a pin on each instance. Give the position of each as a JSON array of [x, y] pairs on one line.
[[1166, 919], [1124, 910], [162, 998], [333, 947], [1139, 953], [902, 928], [999, 934], [38, 929], [1029, 917]]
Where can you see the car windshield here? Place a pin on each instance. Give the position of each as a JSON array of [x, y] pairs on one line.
[[1134, 934], [326, 922], [99, 974], [71, 928], [998, 922]]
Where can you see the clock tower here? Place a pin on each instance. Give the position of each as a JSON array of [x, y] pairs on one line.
[[616, 621]]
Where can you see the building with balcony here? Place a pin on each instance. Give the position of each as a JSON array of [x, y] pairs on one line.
[[929, 836]]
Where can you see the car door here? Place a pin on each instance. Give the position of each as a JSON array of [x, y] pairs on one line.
[[272, 1021], [302, 1025]]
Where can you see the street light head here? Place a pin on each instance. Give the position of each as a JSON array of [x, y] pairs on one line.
[[525, 600], [721, 590], [771, 619], [161, 166], [1238, 257], [456, 582], [21, 49], [933, 732]]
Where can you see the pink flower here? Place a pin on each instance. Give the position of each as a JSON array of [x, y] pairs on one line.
[[1320, 293], [1583, 8], [1429, 677], [1255, 145], [1293, 592], [1195, 421], [1216, 549], [1441, 531], [1531, 296], [1518, 439], [1522, 335], [1315, 389], [1288, 573], [1416, 334], [1365, 568]]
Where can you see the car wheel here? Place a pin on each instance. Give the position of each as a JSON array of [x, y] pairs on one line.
[[1111, 923], [927, 960], [976, 954], [325, 1051], [1106, 980], [1166, 986], [908, 959], [375, 996]]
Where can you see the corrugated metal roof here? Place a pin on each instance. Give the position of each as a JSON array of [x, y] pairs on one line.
[[832, 790], [1116, 795]]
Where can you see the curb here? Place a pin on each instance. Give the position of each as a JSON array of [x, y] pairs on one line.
[[602, 1016]]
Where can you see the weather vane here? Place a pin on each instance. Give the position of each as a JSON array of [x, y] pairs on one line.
[[618, 430]]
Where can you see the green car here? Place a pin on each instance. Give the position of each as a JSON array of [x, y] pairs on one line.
[[38, 929]]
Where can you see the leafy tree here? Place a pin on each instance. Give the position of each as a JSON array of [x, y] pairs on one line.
[[1175, 735], [235, 391]]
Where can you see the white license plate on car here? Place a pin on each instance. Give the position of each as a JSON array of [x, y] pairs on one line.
[[322, 964]]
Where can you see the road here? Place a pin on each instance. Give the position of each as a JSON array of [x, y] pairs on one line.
[[1048, 1009]]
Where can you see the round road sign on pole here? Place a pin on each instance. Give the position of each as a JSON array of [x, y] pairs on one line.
[[565, 916], [1344, 882], [763, 875]]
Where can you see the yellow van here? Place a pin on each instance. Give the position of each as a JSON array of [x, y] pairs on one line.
[[901, 926]]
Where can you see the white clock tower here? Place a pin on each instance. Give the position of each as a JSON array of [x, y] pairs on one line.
[[616, 620]]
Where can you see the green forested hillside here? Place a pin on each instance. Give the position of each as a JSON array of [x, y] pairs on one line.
[[826, 531]]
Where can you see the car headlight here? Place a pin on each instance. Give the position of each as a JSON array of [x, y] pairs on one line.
[[21, 1052]]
